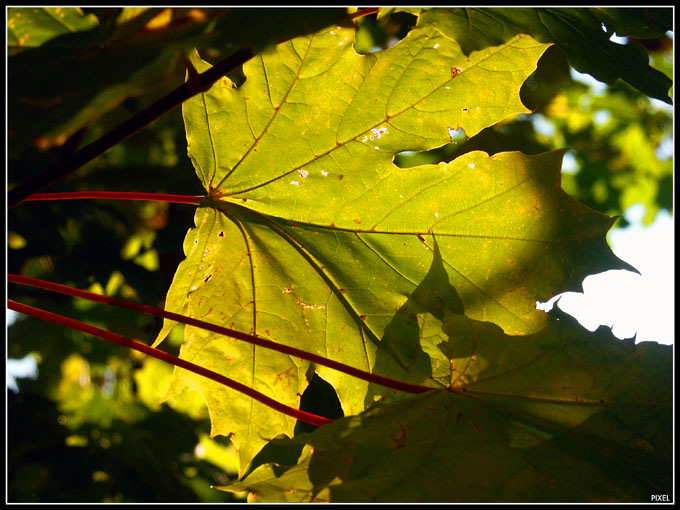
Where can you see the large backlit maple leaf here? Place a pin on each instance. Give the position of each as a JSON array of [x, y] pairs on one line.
[[312, 237]]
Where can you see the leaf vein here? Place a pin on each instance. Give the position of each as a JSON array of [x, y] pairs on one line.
[[271, 120]]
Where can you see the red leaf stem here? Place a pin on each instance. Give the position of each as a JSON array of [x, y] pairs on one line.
[[367, 11], [118, 195], [54, 318], [252, 339]]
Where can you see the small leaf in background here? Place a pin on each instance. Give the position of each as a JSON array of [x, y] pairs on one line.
[[31, 28]]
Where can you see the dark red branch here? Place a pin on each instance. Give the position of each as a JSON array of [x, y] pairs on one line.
[[54, 318], [261, 342], [195, 84], [118, 195]]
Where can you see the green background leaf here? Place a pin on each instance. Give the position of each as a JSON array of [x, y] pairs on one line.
[[564, 415]]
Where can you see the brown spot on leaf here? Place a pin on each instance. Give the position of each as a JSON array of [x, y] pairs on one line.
[[400, 440], [284, 376]]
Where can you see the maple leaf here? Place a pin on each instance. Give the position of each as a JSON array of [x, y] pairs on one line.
[[312, 237]]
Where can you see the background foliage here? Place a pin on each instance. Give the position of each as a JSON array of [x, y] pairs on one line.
[[87, 427]]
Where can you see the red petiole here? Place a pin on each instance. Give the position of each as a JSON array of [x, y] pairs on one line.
[[252, 339], [119, 195], [54, 318]]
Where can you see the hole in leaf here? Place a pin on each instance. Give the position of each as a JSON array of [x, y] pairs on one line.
[[375, 35], [408, 159], [319, 398]]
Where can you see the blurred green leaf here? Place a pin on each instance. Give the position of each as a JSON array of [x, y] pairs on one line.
[[643, 22], [32, 27]]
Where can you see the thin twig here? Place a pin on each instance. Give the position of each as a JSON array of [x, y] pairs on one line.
[[366, 11], [54, 318]]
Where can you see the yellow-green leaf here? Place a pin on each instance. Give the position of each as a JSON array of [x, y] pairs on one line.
[[312, 237]]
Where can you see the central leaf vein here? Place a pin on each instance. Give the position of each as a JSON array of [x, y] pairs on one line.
[[274, 115]]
